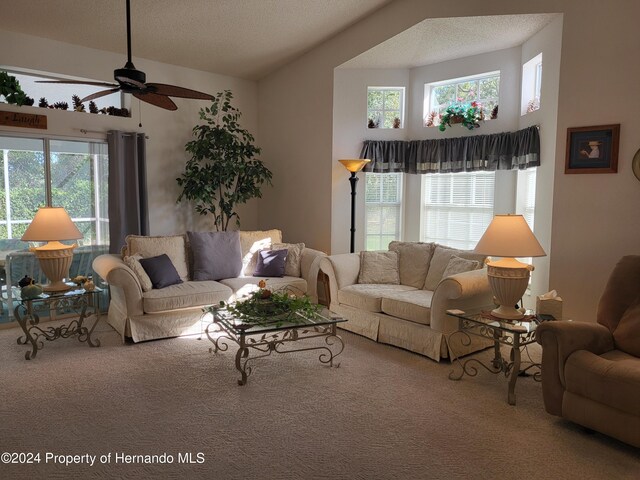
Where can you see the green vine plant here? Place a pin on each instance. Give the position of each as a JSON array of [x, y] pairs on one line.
[[12, 92], [223, 171]]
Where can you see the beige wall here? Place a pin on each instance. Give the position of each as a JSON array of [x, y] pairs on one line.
[[594, 219]]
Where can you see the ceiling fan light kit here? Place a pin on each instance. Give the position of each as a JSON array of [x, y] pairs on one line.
[[133, 81]]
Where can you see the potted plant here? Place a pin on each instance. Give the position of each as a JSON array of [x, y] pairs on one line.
[[223, 170], [468, 114]]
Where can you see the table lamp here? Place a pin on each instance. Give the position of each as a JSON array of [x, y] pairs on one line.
[[354, 165], [508, 236], [52, 224]]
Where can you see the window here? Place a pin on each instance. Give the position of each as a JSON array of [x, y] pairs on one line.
[[61, 92], [456, 208], [42, 171], [531, 85], [484, 89], [383, 209], [526, 195], [385, 107]]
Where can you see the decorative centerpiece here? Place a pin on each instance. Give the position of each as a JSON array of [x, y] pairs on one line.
[[468, 114], [267, 307], [31, 291]]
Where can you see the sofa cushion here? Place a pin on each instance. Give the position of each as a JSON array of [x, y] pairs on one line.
[[292, 266], [133, 262], [271, 263], [251, 242], [185, 295], [161, 271], [413, 261], [245, 285], [173, 245], [368, 296], [626, 336], [460, 265], [379, 267], [215, 255], [414, 305], [612, 378], [440, 260]]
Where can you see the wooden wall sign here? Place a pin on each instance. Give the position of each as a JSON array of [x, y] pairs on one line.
[[24, 120]]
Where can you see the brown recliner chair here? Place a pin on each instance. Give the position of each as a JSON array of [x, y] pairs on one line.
[[591, 371]]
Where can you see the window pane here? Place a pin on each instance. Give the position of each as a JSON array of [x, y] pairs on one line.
[[389, 117], [374, 99], [384, 105], [392, 100], [489, 87], [444, 94], [467, 91]]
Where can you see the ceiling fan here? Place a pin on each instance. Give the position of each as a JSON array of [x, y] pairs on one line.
[[130, 80]]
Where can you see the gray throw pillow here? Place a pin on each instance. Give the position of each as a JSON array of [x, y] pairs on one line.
[[271, 263], [161, 271], [216, 255]]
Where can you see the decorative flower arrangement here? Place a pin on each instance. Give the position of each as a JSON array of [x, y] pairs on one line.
[[267, 307], [468, 114]]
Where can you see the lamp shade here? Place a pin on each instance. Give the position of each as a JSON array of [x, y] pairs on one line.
[[354, 165], [51, 224], [509, 236]]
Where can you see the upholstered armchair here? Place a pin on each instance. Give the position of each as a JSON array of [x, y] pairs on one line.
[[591, 371]]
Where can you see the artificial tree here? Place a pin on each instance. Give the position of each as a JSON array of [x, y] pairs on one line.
[[223, 171]]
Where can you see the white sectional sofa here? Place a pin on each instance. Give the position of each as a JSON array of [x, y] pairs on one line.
[[409, 312], [177, 309]]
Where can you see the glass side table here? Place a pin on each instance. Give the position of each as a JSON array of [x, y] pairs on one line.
[[512, 333], [85, 304]]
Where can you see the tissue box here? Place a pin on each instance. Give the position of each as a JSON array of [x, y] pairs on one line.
[[549, 306]]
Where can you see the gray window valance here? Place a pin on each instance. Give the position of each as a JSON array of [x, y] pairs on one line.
[[496, 151]]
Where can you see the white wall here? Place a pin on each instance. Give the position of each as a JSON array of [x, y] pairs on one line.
[[168, 131], [594, 216]]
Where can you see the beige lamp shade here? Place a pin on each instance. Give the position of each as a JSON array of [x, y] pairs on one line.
[[509, 236], [354, 165], [51, 223]]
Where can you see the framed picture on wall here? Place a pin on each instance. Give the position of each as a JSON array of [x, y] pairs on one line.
[[592, 149]]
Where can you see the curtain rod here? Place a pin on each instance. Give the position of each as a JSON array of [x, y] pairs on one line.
[[82, 130]]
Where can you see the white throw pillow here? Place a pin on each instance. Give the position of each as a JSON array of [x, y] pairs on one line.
[[460, 265], [414, 260], [173, 245], [379, 267], [440, 260], [251, 242], [133, 262], [294, 257]]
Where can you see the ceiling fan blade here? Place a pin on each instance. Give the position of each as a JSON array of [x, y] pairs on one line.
[[78, 82], [155, 99], [173, 91], [102, 93]]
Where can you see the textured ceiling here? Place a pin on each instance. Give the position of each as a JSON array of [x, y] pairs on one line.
[[243, 38], [439, 39]]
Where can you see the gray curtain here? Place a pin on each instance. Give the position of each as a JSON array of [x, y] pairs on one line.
[[128, 210], [497, 151]]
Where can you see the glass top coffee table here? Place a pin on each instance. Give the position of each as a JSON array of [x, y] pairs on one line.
[[279, 334]]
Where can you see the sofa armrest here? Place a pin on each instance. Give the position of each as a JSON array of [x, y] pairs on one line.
[[342, 270], [559, 340], [120, 278], [466, 291], [309, 269]]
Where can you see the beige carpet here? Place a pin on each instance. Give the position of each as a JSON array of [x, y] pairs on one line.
[[384, 413]]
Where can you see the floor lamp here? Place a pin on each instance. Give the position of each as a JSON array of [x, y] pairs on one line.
[[354, 165]]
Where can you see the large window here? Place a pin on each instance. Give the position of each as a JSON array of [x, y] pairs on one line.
[[531, 85], [70, 174], [483, 89], [456, 207], [383, 205], [385, 107]]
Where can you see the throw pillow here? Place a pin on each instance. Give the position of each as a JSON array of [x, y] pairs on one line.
[[271, 263], [460, 265], [161, 271], [133, 262], [252, 242], [414, 260], [173, 245], [440, 260], [216, 255], [626, 336], [379, 267], [294, 257]]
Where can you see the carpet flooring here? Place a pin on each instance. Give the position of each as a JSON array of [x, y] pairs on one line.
[[383, 414]]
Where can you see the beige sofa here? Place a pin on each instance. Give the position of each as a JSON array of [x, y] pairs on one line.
[[411, 313], [177, 309]]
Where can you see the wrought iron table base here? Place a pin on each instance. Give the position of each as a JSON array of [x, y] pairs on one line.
[[268, 343]]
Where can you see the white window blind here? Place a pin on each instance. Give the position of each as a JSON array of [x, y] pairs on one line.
[[456, 207], [383, 205]]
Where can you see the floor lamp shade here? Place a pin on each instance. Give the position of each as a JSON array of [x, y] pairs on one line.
[[353, 165], [509, 236], [52, 225]]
